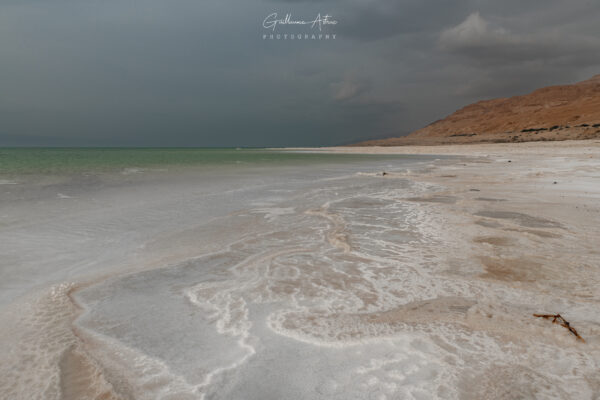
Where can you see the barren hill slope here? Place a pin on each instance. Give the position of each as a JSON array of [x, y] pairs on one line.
[[551, 113]]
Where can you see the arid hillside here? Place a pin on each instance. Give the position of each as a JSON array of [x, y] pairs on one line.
[[551, 113]]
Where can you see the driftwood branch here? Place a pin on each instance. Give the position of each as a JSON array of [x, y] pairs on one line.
[[558, 319]]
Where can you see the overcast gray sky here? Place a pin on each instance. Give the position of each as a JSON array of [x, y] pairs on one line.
[[200, 73]]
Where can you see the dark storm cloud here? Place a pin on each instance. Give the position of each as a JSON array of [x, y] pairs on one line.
[[189, 72], [511, 55], [479, 40], [372, 20]]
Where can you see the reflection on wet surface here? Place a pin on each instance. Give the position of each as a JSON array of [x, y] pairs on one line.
[[521, 219]]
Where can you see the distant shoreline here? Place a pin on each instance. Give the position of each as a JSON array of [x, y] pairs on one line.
[[553, 147]]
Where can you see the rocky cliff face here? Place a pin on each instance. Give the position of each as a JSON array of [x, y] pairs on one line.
[[552, 113]]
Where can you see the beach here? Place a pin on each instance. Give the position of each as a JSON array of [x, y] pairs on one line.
[[350, 272]]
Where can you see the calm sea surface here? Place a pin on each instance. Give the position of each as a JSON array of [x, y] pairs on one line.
[[73, 160]]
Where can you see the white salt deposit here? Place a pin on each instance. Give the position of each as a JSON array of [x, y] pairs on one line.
[[320, 282]]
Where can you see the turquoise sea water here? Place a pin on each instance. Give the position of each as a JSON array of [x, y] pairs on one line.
[[73, 160]]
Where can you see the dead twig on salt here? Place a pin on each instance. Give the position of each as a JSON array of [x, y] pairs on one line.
[[558, 319]]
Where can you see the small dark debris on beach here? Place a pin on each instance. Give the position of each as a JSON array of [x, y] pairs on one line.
[[558, 319], [474, 190], [384, 173], [555, 182], [509, 161]]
